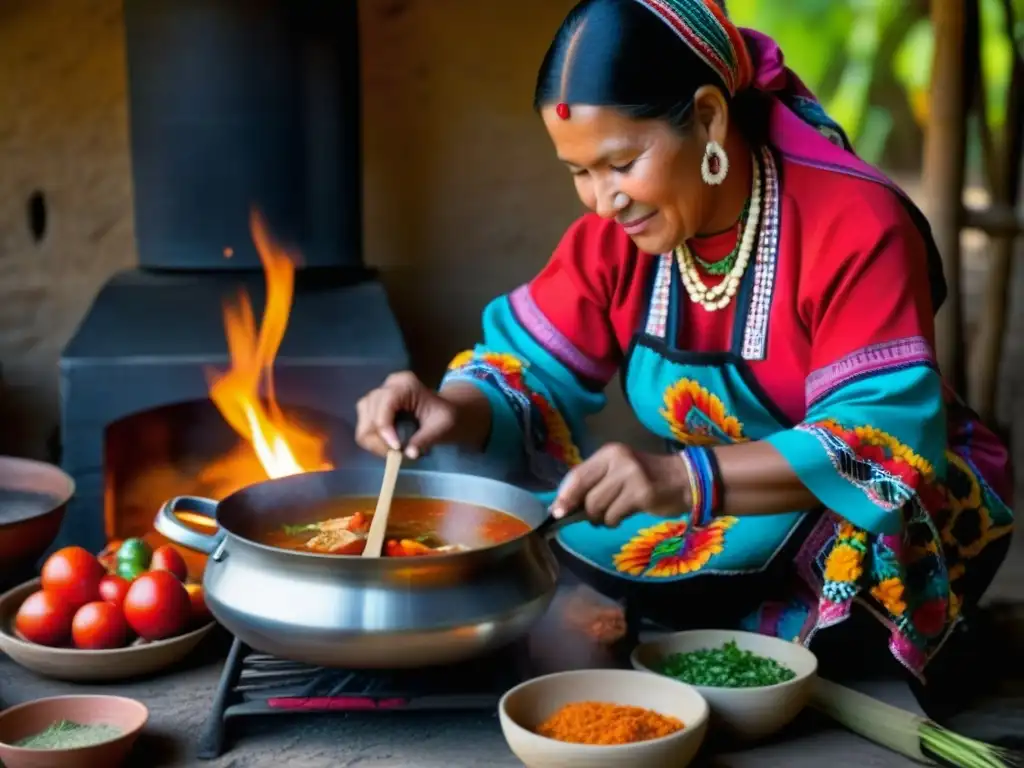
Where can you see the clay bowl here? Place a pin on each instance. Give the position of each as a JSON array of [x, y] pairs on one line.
[[746, 713], [79, 666], [20, 722], [33, 497], [523, 708]]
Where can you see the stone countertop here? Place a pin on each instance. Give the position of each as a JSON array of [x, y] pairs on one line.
[[179, 701]]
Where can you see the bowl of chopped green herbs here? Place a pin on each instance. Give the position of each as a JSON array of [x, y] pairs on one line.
[[755, 684], [70, 732]]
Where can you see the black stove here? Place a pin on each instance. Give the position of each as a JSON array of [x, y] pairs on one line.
[[234, 106], [255, 684]]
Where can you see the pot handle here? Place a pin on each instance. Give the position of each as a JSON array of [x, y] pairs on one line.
[[553, 525], [168, 524]]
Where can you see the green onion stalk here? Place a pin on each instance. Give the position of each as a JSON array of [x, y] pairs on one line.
[[904, 732]]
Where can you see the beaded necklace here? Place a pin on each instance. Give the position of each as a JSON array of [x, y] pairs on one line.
[[719, 296], [723, 266]]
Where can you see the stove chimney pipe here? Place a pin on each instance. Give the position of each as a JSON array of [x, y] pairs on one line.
[[242, 103]]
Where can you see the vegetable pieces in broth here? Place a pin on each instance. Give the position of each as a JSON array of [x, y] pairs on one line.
[[416, 527], [347, 535], [725, 667]]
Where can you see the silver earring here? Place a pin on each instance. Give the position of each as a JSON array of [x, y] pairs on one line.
[[715, 165], [620, 201]]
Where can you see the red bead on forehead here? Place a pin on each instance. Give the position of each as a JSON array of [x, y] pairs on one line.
[[562, 110]]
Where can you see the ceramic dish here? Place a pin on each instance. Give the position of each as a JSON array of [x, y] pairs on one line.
[[25, 720], [750, 713], [523, 708], [33, 498], [79, 666]]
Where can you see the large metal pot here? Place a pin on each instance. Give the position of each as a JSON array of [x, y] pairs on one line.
[[357, 612]]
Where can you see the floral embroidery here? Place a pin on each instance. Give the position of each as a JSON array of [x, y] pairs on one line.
[[889, 593], [667, 549], [697, 417], [912, 580], [461, 360], [551, 435], [844, 565], [509, 366], [880, 447], [849, 531], [930, 617], [886, 470], [904, 577], [559, 443], [966, 523]]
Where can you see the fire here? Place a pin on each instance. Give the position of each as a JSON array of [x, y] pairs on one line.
[[244, 394]]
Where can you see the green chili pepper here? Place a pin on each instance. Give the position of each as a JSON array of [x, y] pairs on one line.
[[135, 551], [725, 667], [130, 571], [298, 530]]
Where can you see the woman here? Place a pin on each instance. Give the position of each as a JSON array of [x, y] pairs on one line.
[[767, 299]]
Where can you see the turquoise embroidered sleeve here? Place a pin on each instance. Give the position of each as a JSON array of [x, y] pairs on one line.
[[869, 444], [538, 404]]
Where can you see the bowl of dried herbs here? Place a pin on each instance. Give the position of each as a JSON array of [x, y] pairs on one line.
[[755, 684], [70, 732]]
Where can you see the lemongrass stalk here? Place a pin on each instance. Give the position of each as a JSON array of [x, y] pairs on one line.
[[882, 723], [962, 751], [905, 732]]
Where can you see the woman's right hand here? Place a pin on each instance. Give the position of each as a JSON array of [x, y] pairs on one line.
[[375, 429]]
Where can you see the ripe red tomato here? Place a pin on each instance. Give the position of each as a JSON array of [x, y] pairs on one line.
[[113, 590], [45, 618], [200, 612], [98, 626], [167, 558], [73, 574], [157, 605]]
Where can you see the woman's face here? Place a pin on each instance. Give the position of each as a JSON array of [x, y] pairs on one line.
[[641, 173]]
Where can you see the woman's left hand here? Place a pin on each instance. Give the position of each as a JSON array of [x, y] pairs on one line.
[[617, 482]]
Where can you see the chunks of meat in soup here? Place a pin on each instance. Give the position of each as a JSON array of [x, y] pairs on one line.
[[347, 535], [340, 535], [416, 527]]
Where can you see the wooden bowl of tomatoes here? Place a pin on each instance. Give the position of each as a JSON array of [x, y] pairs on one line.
[[87, 620]]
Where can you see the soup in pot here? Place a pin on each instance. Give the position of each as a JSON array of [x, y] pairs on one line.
[[415, 527]]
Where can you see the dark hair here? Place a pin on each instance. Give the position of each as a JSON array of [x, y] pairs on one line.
[[620, 54]]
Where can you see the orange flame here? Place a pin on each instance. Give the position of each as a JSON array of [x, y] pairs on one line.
[[282, 447]]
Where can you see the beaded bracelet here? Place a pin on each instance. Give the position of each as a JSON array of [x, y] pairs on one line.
[[706, 487], [693, 477], [717, 484]]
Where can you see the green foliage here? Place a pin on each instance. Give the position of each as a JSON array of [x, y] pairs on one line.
[[834, 46]]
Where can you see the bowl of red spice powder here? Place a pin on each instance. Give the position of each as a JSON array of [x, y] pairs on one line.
[[603, 718]]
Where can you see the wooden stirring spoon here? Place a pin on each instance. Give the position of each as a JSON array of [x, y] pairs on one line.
[[406, 426]]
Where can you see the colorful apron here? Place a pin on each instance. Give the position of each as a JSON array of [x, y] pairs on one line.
[[696, 398]]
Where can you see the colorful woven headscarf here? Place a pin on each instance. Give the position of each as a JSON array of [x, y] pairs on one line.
[[703, 26], [725, 48]]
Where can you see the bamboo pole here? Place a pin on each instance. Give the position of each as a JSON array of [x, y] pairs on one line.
[[943, 174], [1004, 181], [995, 220]]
